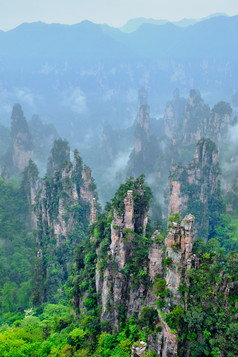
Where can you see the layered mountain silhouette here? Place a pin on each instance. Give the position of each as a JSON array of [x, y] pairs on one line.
[[92, 72]]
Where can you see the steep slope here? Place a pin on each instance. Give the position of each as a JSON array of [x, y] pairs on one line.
[[21, 147], [196, 189], [64, 205], [139, 284]]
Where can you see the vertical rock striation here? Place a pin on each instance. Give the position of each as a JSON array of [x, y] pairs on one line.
[[117, 287], [196, 188], [63, 206], [116, 290], [31, 186], [21, 148], [179, 243], [178, 254], [173, 114]]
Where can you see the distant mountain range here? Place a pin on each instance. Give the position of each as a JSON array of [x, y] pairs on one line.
[[87, 41], [91, 73], [133, 24]]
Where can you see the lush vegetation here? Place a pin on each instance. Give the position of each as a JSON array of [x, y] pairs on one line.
[[54, 331], [51, 303], [205, 320], [16, 249], [62, 224], [209, 326], [60, 153]]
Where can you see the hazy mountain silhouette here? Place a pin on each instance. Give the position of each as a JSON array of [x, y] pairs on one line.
[[133, 24], [89, 73]]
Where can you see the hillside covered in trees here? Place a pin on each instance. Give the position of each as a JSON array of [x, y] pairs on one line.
[[137, 277]]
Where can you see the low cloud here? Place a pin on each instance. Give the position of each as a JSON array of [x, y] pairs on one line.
[[25, 96], [233, 134], [75, 100], [118, 165]]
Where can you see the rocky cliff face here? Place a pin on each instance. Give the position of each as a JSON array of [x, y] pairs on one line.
[[60, 153], [179, 243], [63, 206], [195, 119], [116, 287], [195, 188], [87, 191], [142, 132], [173, 114], [156, 287], [146, 146], [124, 291], [187, 124], [31, 186], [218, 123], [21, 149], [200, 121]]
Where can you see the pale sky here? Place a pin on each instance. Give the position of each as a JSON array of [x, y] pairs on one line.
[[113, 12]]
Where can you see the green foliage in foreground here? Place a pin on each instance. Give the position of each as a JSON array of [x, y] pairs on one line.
[[205, 321], [56, 332], [207, 325], [16, 248], [210, 325]]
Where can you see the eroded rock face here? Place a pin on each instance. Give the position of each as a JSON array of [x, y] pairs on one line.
[[179, 243], [173, 114], [22, 148], [119, 224], [219, 121], [114, 284], [177, 200], [87, 193], [93, 214], [178, 254], [195, 120], [195, 188], [200, 121], [142, 157], [115, 288], [118, 293], [142, 132], [138, 350], [62, 212], [155, 258], [166, 341], [31, 186]]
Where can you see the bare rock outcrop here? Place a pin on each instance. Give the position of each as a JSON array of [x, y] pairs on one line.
[[167, 344], [195, 120], [178, 255], [179, 243], [138, 349], [116, 287], [173, 114], [63, 206], [31, 186], [195, 187], [21, 148]]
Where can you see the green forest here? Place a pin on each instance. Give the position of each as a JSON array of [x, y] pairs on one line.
[[206, 327], [152, 272]]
